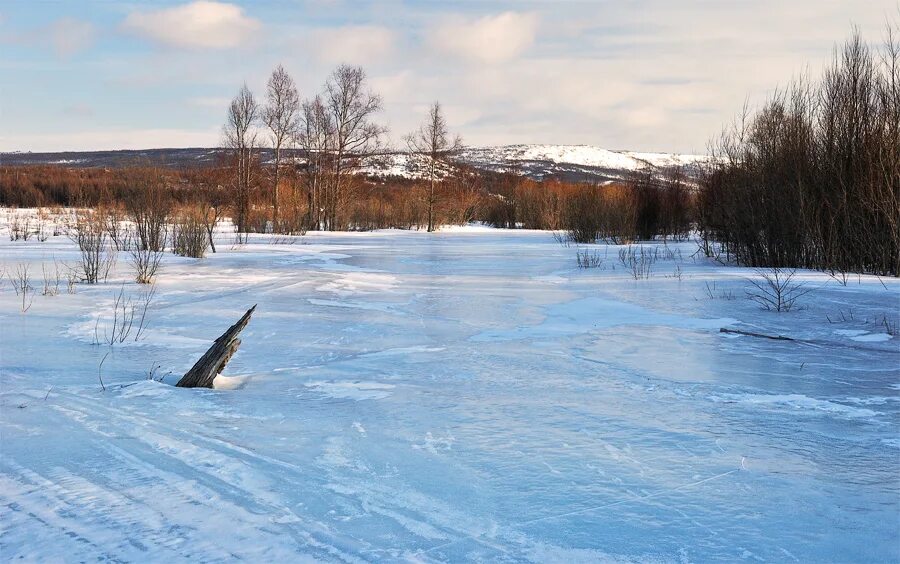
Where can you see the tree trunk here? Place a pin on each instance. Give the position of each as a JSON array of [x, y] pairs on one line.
[[213, 362]]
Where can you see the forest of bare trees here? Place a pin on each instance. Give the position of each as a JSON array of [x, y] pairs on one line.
[[812, 179]]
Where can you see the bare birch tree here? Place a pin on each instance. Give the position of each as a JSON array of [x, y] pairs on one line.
[[314, 136], [280, 116], [351, 106], [433, 141], [240, 137]]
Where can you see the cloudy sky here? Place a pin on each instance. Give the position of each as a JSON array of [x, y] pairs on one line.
[[623, 74]]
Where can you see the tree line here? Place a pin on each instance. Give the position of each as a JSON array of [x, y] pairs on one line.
[[812, 178]]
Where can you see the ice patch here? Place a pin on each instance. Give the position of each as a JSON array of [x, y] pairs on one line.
[[850, 332], [434, 444], [369, 306], [401, 351], [352, 390], [359, 283], [797, 401], [863, 336], [591, 314], [872, 338]]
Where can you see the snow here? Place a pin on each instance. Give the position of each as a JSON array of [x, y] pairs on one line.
[[467, 395], [573, 157], [534, 160]]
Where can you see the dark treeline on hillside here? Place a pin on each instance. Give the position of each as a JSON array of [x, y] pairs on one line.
[[812, 179]]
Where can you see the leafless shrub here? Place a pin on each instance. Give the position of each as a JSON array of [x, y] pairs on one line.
[[122, 319], [189, 234], [19, 227], [282, 240], [100, 372], [42, 231], [128, 315], [775, 289], [60, 221], [212, 210], [71, 281], [145, 261], [714, 293], [89, 233], [51, 279], [114, 218], [20, 279], [154, 375], [638, 261], [583, 216], [145, 300], [587, 258], [148, 205], [677, 273], [561, 237], [671, 254]]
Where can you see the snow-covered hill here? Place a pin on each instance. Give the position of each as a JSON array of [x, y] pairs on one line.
[[567, 162], [573, 162]]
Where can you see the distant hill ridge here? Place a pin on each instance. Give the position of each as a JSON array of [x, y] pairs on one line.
[[566, 162]]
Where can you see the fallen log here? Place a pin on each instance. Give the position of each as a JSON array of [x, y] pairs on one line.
[[213, 362], [760, 335]]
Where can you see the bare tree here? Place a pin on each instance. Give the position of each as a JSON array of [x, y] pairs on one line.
[[240, 138], [433, 141], [314, 136], [351, 106], [280, 116]]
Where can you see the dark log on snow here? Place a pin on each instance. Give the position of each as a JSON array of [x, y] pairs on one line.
[[213, 362], [760, 335]]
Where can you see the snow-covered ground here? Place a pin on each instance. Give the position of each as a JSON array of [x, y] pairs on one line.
[[468, 395]]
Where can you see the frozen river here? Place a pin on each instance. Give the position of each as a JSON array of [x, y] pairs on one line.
[[469, 395]]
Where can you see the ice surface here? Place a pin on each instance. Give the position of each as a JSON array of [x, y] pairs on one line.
[[468, 395]]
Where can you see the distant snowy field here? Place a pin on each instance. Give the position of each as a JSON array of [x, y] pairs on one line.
[[468, 395]]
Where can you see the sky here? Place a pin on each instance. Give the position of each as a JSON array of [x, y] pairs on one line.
[[648, 75]]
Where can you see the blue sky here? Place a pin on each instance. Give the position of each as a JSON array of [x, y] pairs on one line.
[[642, 74]]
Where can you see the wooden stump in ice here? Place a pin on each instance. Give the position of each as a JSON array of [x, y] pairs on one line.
[[213, 362]]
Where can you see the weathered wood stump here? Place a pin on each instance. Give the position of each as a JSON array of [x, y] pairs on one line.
[[213, 362]]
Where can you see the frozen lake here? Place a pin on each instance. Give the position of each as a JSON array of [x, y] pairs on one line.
[[469, 395]]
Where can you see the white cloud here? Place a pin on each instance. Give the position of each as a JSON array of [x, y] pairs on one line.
[[358, 44], [490, 39], [203, 24]]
